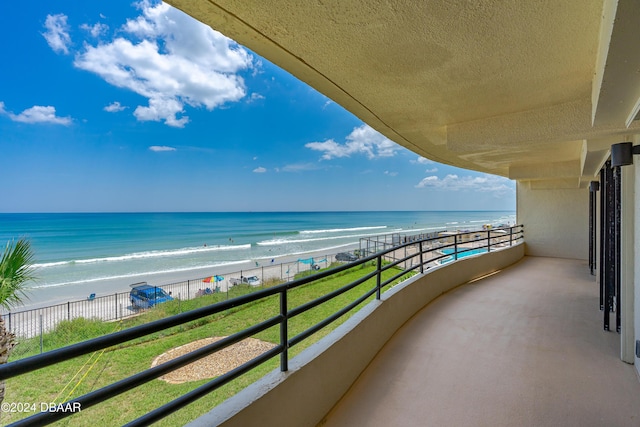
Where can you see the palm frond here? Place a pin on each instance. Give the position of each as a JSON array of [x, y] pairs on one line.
[[16, 269]]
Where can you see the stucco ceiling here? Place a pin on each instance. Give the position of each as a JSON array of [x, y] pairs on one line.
[[532, 90]]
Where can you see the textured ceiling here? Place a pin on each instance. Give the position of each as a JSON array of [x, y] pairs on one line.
[[535, 91]]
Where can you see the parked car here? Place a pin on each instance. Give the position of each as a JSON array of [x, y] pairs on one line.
[[346, 256], [250, 280], [143, 295]]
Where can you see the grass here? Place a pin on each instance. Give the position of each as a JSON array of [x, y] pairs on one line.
[[81, 375]]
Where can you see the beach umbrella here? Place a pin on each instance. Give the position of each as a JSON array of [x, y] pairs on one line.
[[214, 279]]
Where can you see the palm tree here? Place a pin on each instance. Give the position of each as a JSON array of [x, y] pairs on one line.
[[16, 269]]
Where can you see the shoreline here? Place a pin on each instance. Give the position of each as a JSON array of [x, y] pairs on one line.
[[47, 296], [113, 303]]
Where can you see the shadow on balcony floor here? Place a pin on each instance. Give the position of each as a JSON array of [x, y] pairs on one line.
[[524, 347]]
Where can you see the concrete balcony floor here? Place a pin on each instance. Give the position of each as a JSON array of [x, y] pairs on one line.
[[523, 347]]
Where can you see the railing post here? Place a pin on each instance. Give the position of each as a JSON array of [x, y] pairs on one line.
[[510, 236], [284, 340], [421, 259], [488, 240], [405, 255], [41, 334], [378, 277], [455, 247], [116, 305]]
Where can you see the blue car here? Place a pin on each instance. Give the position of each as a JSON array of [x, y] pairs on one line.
[[145, 296], [346, 256]]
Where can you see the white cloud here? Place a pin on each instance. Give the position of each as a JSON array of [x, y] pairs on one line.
[[160, 148], [37, 114], [423, 161], [162, 108], [434, 170], [174, 61], [95, 30], [484, 183], [255, 97], [363, 140], [259, 170], [391, 173], [114, 107], [57, 33], [299, 167]]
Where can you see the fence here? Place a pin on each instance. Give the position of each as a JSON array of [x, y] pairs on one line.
[[470, 242], [374, 244], [35, 322]]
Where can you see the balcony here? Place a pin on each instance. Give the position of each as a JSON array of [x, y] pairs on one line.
[[368, 329], [495, 338], [522, 347]]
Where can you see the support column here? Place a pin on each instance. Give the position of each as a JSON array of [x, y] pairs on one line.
[[627, 332], [608, 284]]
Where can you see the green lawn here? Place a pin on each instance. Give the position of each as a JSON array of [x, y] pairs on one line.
[[87, 373]]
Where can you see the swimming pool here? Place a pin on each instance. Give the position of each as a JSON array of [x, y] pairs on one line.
[[449, 251]]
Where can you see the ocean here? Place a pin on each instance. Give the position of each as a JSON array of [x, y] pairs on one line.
[[82, 253]]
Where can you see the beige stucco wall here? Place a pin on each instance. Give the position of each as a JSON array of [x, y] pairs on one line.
[[321, 374], [556, 222], [636, 264]]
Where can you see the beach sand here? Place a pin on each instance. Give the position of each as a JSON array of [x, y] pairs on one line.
[[47, 306], [46, 296]]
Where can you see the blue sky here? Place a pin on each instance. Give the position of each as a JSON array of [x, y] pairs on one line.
[[118, 106]]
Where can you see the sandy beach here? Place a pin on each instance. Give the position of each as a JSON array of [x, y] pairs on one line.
[[46, 296], [47, 307]]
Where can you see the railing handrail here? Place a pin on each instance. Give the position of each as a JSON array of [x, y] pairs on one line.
[[124, 293], [30, 322], [33, 363]]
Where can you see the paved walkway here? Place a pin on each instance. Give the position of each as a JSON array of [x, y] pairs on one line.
[[524, 347]]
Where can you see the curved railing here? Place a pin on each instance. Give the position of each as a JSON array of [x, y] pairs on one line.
[[415, 256]]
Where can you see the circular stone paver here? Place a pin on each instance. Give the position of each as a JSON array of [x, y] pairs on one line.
[[213, 365]]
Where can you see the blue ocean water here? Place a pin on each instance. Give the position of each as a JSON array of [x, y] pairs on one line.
[[85, 249]]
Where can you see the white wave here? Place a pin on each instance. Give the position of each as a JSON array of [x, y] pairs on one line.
[[276, 242], [417, 230], [51, 264], [340, 230], [130, 275], [147, 255], [312, 251]]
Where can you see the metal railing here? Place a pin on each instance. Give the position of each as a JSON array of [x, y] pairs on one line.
[[373, 244], [38, 321], [429, 252]]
